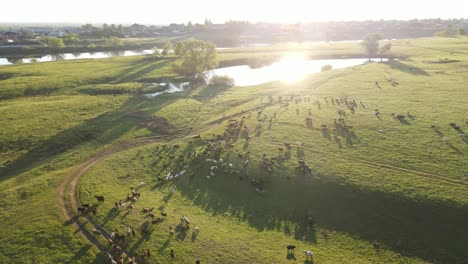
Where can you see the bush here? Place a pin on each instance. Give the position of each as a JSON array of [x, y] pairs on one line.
[[113, 42], [443, 34], [327, 67], [221, 81]]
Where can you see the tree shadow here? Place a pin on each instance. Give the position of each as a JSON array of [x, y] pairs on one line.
[[97, 131], [398, 65], [209, 92], [138, 70]]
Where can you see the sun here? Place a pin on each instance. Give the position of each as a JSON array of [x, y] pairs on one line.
[[290, 68]]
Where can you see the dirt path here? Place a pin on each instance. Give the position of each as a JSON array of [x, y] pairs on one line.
[[67, 191], [67, 197]]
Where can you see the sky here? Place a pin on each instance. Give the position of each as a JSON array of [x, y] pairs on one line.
[[218, 11]]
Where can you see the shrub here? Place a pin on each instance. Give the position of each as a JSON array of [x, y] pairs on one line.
[[443, 34], [327, 67], [221, 81]]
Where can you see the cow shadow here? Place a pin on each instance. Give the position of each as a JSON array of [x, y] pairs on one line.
[[326, 134], [291, 256], [77, 257], [311, 205]]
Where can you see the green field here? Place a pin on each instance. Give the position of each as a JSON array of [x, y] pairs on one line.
[[384, 190]]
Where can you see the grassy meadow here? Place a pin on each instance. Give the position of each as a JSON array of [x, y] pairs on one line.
[[385, 191]]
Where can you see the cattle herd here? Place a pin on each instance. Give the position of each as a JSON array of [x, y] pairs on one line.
[[209, 149]]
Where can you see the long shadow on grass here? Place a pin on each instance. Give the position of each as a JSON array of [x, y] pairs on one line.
[[398, 65], [208, 92], [431, 230], [138, 70], [450, 145], [78, 255], [97, 132]]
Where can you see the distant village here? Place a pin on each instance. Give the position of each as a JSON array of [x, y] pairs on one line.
[[236, 32]]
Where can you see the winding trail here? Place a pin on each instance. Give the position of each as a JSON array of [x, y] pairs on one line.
[[67, 191], [67, 194]]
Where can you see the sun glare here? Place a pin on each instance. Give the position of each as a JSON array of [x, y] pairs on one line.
[[289, 68]]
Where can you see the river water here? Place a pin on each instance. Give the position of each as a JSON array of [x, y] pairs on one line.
[[75, 56], [291, 68]]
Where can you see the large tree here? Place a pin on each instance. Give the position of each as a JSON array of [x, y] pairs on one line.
[[54, 43], [371, 44], [195, 58], [71, 38], [167, 46], [461, 31], [113, 42], [384, 49]]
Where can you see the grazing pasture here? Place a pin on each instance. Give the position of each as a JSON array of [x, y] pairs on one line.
[[360, 165]]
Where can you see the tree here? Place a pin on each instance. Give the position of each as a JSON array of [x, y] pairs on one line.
[[384, 49], [221, 81], [327, 67], [443, 34], [196, 57], [166, 48], [26, 34], [113, 42], [189, 26], [371, 44], [71, 38], [156, 52], [461, 31], [54, 43], [237, 26], [179, 48], [208, 23]]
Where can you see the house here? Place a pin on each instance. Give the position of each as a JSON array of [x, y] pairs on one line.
[[9, 36], [57, 33]]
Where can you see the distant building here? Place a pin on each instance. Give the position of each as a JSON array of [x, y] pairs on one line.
[[9, 36], [40, 30], [57, 33]]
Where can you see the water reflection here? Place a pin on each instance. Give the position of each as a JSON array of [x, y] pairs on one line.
[[73, 56], [170, 88], [290, 69]]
